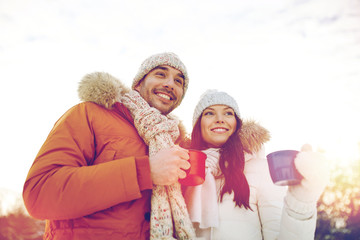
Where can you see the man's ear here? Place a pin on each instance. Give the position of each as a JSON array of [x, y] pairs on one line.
[[137, 87]]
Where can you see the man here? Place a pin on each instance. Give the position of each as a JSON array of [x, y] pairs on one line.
[[93, 177]]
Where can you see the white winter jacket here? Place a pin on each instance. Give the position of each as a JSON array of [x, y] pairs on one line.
[[275, 213]]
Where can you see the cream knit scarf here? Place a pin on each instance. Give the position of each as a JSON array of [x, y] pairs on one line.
[[167, 203]]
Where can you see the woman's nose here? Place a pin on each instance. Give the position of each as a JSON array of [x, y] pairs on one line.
[[219, 118]]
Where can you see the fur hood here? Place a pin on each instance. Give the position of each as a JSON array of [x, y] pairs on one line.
[[101, 88], [105, 90], [253, 136]]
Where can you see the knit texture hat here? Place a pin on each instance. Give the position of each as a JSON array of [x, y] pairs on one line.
[[214, 97], [167, 58]]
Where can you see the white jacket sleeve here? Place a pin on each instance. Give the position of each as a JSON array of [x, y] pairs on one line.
[[298, 220]]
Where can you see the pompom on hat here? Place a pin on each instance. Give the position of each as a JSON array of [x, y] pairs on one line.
[[214, 97], [166, 58]]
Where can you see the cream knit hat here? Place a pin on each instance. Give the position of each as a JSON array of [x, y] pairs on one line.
[[166, 58], [214, 97]]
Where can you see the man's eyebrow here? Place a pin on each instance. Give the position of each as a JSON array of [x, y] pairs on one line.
[[181, 75], [162, 68]]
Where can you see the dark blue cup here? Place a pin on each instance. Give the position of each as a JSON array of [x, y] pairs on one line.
[[282, 167]]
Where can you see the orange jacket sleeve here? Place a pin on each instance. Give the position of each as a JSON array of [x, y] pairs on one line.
[[61, 183]]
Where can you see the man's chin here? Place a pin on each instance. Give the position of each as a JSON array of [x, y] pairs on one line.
[[167, 109], [164, 109]]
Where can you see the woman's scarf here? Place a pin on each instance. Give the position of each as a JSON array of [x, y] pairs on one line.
[[202, 200], [167, 203]]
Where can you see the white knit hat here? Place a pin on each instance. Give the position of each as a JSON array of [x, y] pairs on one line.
[[214, 97], [166, 58]]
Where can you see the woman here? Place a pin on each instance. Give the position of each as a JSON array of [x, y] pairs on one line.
[[238, 199]]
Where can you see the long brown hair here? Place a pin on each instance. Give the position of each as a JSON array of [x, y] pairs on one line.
[[231, 162]]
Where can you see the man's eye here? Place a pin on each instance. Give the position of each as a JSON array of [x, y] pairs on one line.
[[160, 74], [180, 81]]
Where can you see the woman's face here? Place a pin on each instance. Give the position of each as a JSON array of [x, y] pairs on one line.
[[218, 123]]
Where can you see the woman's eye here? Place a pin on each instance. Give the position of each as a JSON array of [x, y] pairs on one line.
[[229, 113], [208, 113]]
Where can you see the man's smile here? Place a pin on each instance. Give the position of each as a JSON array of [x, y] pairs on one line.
[[165, 95]]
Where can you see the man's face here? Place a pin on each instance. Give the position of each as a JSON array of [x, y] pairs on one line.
[[162, 88]]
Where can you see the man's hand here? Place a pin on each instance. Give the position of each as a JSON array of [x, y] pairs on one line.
[[168, 165]]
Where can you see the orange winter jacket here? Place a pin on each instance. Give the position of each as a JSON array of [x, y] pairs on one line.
[[91, 178]]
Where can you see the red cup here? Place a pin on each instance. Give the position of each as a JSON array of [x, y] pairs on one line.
[[195, 175]]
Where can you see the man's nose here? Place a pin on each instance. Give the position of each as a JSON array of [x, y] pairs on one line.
[[169, 83]]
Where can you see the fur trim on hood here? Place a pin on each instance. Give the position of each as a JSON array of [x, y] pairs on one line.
[[101, 88], [105, 90], [253, 136]]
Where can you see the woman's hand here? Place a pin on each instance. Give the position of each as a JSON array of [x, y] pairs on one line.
[[315, 170]]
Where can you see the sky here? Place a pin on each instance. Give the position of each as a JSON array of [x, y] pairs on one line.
[[292, 65]]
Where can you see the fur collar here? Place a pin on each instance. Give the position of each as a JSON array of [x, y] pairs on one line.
[[105, 90], [253, 136], [101, 88]]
